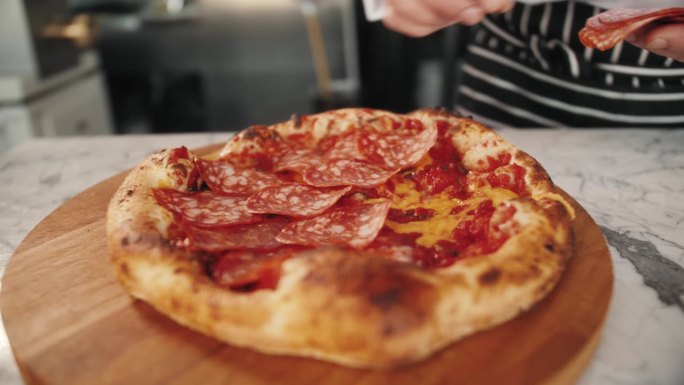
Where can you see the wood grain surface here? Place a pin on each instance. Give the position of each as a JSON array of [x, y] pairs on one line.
[[69, 322]]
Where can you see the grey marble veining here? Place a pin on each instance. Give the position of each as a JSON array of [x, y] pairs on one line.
[[630, 181], [659, 272], [632, 184]]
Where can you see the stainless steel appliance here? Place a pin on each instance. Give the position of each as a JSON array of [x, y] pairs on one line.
[[48, 86]]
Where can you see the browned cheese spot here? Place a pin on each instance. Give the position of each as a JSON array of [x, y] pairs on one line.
[[386, 299], [175, 304], [124, 269], [535, 270], [180, 168], [385, 289], [490, 276], [215, 311], [388, 329], [544, 287], [195, 286], [261, 132]]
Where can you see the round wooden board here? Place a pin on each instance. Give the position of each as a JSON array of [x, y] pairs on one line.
[[70, 322]]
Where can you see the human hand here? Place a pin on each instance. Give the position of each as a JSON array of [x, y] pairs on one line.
[[661, 39], [422, 17]]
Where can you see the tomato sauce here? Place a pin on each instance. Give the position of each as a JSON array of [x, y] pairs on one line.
[[411, 215], [435, 178], [179, 153]]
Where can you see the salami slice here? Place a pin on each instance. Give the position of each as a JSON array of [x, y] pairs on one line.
[[205, 209], [346, 172], [346, 147], [394, 150], [356, 226], [260, 236], [605, 30], [246, 270], [364, 158], [295, 159], [294, 199], [225, 178], [387, 149]]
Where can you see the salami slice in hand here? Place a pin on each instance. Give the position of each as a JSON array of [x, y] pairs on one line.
[[605, 30]]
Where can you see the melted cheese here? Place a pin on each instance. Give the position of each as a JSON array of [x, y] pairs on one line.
[[442, 224]]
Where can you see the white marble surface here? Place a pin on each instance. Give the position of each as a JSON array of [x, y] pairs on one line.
[[630, 181]]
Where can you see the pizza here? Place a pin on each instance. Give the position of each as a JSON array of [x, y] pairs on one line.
[[357, 236], [605, 30]]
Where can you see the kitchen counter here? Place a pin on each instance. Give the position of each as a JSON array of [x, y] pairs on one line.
[[630, 181]]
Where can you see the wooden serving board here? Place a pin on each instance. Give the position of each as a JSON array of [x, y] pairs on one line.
[[70, 322]]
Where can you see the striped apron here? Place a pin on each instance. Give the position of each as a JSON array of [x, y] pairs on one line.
[[527, 68]]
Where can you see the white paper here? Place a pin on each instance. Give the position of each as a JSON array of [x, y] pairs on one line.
[[375, 9]]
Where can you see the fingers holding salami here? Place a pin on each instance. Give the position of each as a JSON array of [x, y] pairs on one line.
[[664, 40], [657, 30]]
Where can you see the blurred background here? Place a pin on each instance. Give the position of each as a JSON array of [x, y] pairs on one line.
[[86, 67]]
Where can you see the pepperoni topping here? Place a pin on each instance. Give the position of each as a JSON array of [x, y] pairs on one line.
[[394, 150], [295, 159], [205, 209], [389, 150], [225, 178], [346, 172], [295, 200], [248, 271], [362, 158], [261, 236], [344, 147], [273, 196], [355, 225]]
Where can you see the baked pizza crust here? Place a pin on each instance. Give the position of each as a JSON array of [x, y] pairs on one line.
[[340, 305]]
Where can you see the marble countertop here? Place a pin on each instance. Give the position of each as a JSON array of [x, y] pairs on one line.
[[630, 181]]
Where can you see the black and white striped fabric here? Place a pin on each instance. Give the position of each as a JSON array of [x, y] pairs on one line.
[[527, 68]]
